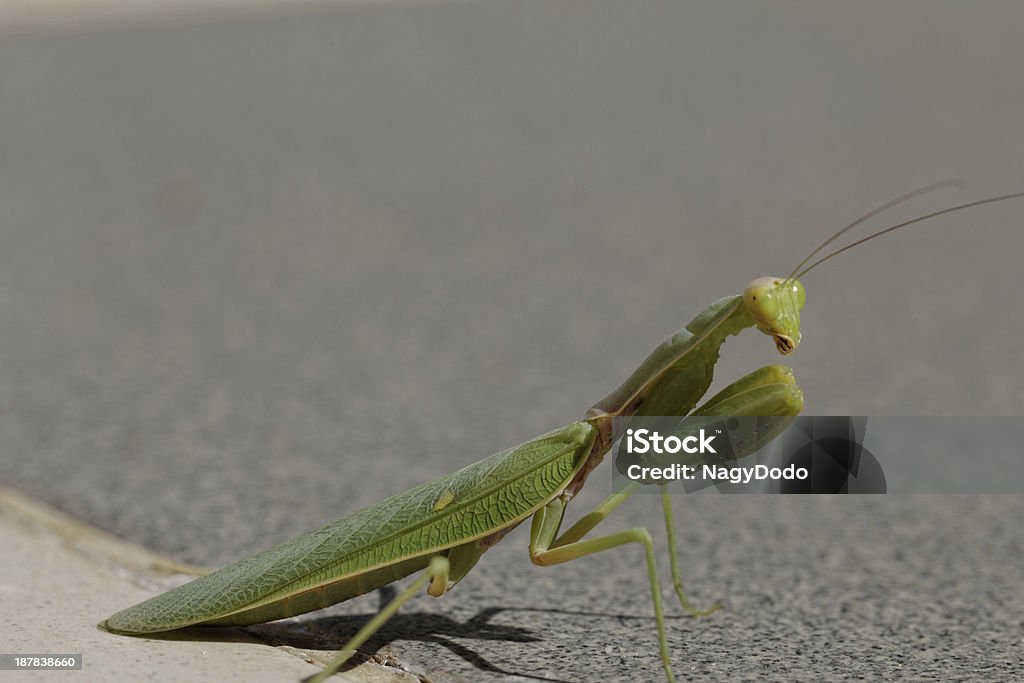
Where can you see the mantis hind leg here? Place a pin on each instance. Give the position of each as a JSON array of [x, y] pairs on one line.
[[436, 575]]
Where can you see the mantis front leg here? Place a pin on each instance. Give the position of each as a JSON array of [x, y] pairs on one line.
[[769, 391]]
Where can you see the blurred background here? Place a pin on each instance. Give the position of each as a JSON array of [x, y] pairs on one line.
[[262, 264]]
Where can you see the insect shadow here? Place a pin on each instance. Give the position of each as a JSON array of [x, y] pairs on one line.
[[334, 631], [331, 632]]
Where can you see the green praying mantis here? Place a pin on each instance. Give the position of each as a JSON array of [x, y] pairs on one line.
[[443, 527]]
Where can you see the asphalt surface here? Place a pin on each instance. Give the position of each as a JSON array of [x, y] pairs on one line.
[[256, 273]]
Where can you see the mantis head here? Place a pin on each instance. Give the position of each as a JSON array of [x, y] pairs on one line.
[[775, 304]]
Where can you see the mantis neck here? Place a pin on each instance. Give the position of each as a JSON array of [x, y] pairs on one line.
[[679, 371]]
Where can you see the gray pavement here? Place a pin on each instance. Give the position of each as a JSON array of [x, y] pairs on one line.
[[256, 273]]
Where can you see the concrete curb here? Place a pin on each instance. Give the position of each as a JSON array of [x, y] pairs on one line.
[[69, 575]]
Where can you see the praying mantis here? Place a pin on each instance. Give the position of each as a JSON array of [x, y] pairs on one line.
[[441, 529]]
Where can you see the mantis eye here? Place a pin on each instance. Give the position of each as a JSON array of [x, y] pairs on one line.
[[760, 299], [801, 295]]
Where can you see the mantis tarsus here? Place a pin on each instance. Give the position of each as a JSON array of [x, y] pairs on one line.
[[442, 528]]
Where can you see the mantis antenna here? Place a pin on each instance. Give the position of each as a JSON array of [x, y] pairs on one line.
[[959, 207], [952, 182]]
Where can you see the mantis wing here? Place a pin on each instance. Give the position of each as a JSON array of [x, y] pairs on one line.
[[374, 546]]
